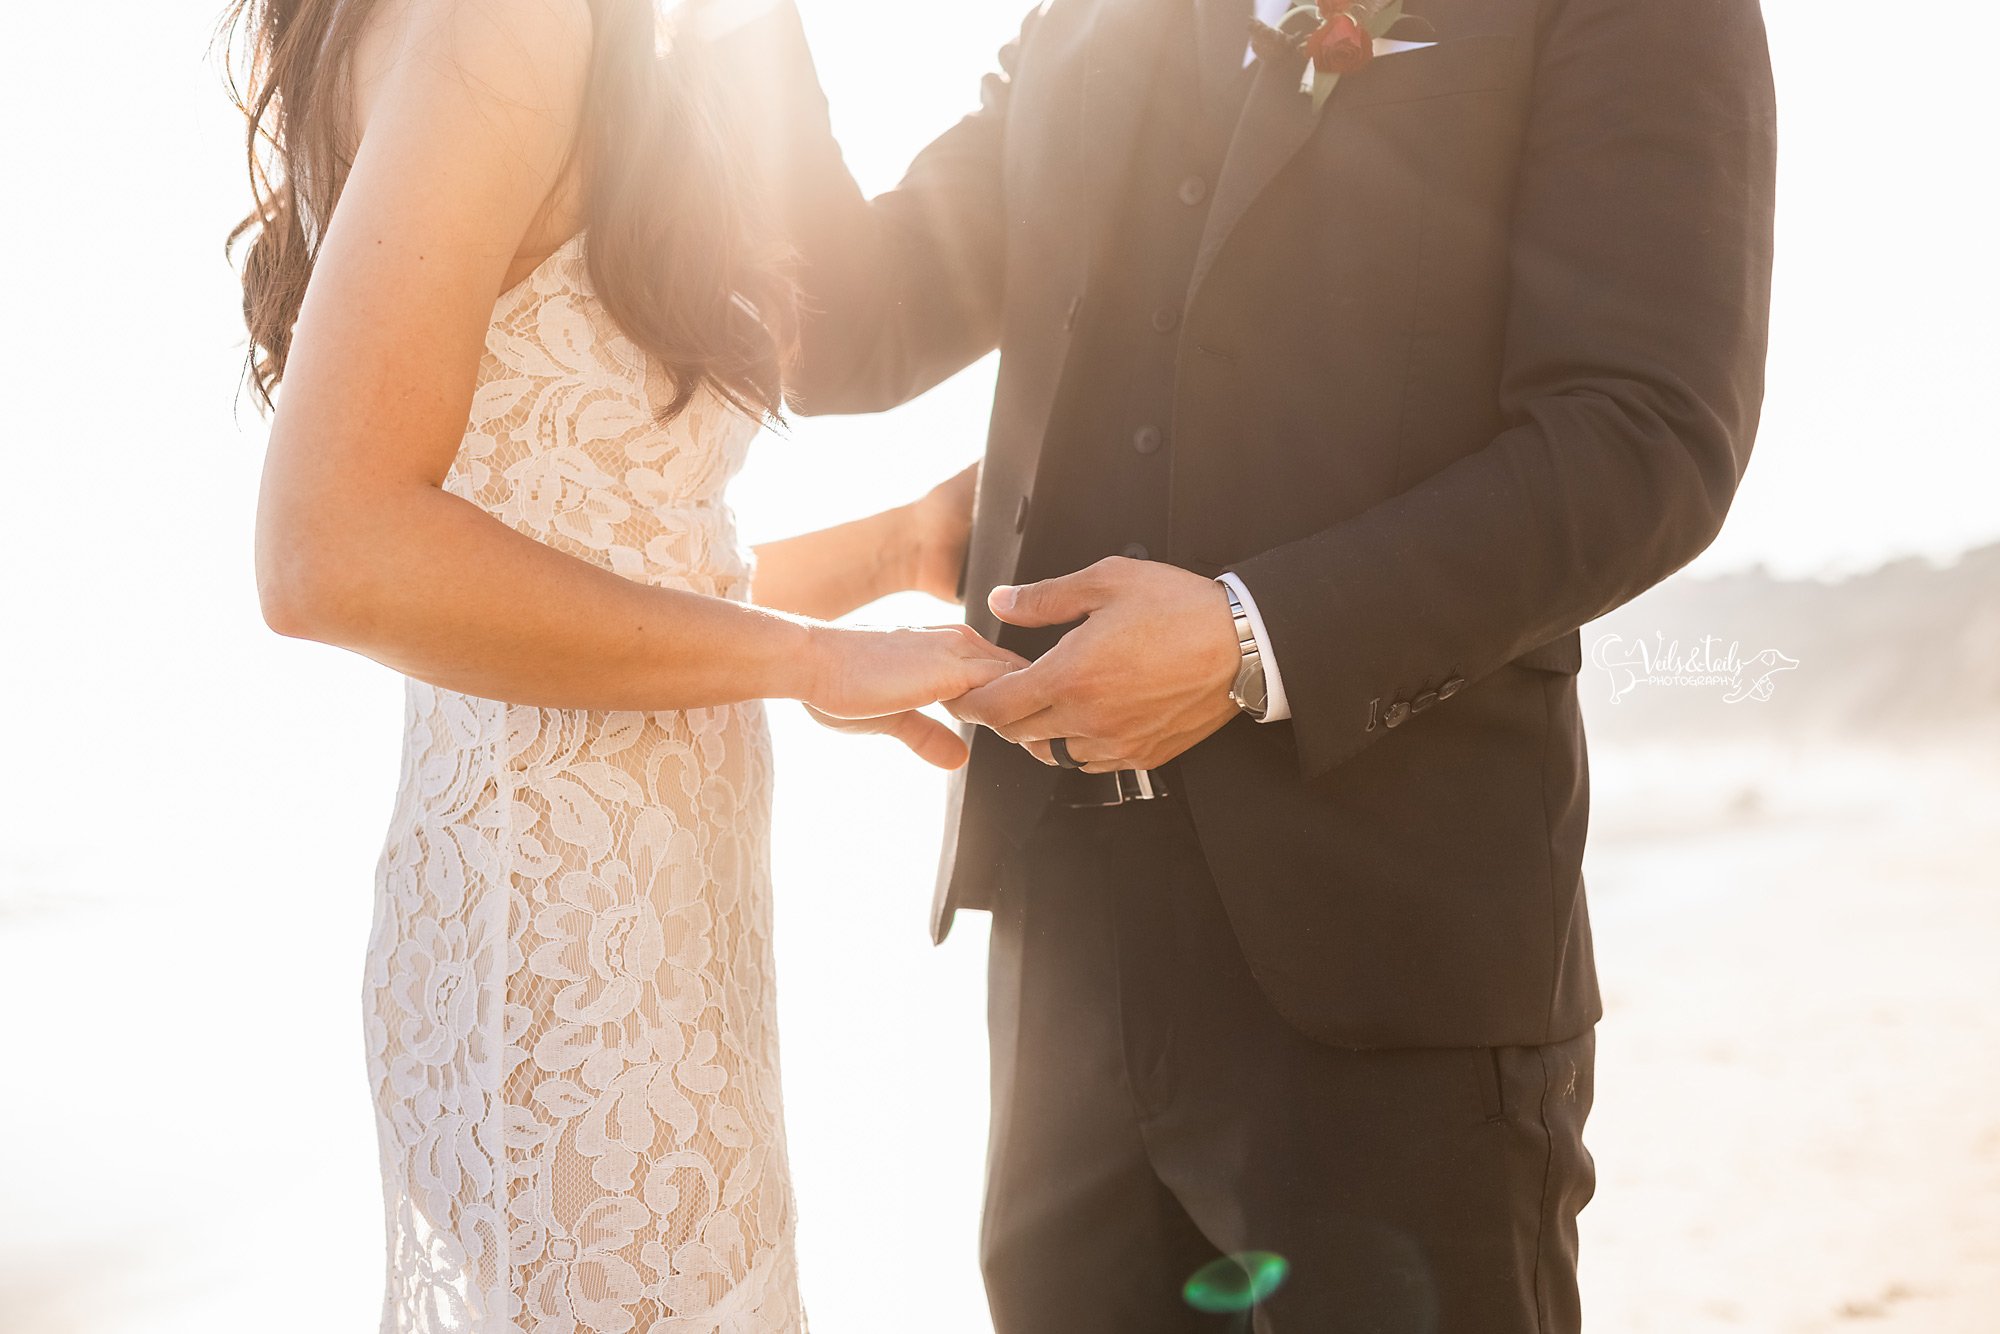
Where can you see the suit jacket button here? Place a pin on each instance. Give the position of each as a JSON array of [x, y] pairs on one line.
[[1136, 551], [1398, 715], [1451, 687], [1425, 700], [1166, 319], [1146, 439], [1193, 190], [1021, 516]]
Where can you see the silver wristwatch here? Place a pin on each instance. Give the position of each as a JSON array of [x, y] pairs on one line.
[[1251, 692]]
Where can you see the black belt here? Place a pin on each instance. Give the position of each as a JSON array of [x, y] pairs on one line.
[[1076, 788]]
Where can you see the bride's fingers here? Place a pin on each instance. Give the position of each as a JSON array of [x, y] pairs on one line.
[[931, 740], [985, 671], [982, 648], [988, 656]]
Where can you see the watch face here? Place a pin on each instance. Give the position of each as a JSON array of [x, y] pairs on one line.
[[1251, 692]]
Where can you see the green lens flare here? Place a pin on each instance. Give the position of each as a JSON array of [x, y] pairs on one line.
[[1236, 1282]]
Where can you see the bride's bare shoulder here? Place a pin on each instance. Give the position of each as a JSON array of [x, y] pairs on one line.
[[500, 78], [532, 52]]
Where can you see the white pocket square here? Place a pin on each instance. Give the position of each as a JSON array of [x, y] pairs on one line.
[[1384, 46]]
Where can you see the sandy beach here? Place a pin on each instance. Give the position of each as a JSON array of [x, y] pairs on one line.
[[1798, 1106], [1797, 1124]]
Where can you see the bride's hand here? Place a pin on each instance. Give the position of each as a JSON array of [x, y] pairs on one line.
[[874, 681], [860, 672], [933, 742], [942, 526]]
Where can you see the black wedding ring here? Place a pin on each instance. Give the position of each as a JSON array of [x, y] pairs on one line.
[[1059, 747]]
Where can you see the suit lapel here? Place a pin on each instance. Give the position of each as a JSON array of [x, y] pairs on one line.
[[1278, 118], [1122, 55], [1224, 26]]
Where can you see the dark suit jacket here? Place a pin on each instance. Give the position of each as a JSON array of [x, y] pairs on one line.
[[1468, 359]]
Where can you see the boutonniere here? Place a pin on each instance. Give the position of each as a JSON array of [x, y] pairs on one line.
[[1336, 36]]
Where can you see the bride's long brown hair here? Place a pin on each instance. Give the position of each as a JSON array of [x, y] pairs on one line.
[[679, 250]]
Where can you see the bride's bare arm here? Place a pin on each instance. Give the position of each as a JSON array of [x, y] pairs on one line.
[[834, 571], [358, 544], [919, 547]]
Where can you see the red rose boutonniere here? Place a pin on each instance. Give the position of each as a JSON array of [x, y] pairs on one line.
[[1336, 36], [1341, 45]]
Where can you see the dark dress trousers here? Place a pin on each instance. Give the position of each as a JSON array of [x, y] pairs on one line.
[[1442, 372]]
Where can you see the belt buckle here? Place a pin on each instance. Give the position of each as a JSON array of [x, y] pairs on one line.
[[1127, 785], [1083, 792], [1138, 785]]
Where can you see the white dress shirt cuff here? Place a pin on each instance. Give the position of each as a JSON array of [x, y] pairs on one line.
[[1274, 681]]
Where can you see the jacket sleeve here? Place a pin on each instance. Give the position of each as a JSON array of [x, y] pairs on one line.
[[1631, 386], [901, 291]]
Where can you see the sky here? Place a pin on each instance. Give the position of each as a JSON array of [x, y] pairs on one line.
[[191, 807], [1879, 437]]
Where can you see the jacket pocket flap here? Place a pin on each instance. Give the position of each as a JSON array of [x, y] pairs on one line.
[[1457, 65]]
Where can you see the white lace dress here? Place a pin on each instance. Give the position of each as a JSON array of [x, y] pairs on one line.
[[570, 1023]]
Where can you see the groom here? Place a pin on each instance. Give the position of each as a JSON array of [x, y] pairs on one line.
[[1320, 430]]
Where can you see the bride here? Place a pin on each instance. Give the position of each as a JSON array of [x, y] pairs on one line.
[[527, 324]]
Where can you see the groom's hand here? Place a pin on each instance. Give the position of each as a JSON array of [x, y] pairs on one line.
[[1141, 681]]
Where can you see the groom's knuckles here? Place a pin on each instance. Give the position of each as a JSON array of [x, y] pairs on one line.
[[1089, 712], [1100, 583]]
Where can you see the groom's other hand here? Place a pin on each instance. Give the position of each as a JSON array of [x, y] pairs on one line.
[[1143, 679]]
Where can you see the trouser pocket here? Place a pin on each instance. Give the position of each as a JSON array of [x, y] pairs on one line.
[[1486, 1076]]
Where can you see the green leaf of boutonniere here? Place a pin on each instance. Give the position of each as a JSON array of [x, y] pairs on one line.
[[1299, 20]]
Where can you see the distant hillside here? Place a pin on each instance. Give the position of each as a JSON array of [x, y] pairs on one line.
[[1908, 652]]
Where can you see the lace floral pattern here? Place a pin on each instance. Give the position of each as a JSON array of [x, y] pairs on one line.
[[569, 997]]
